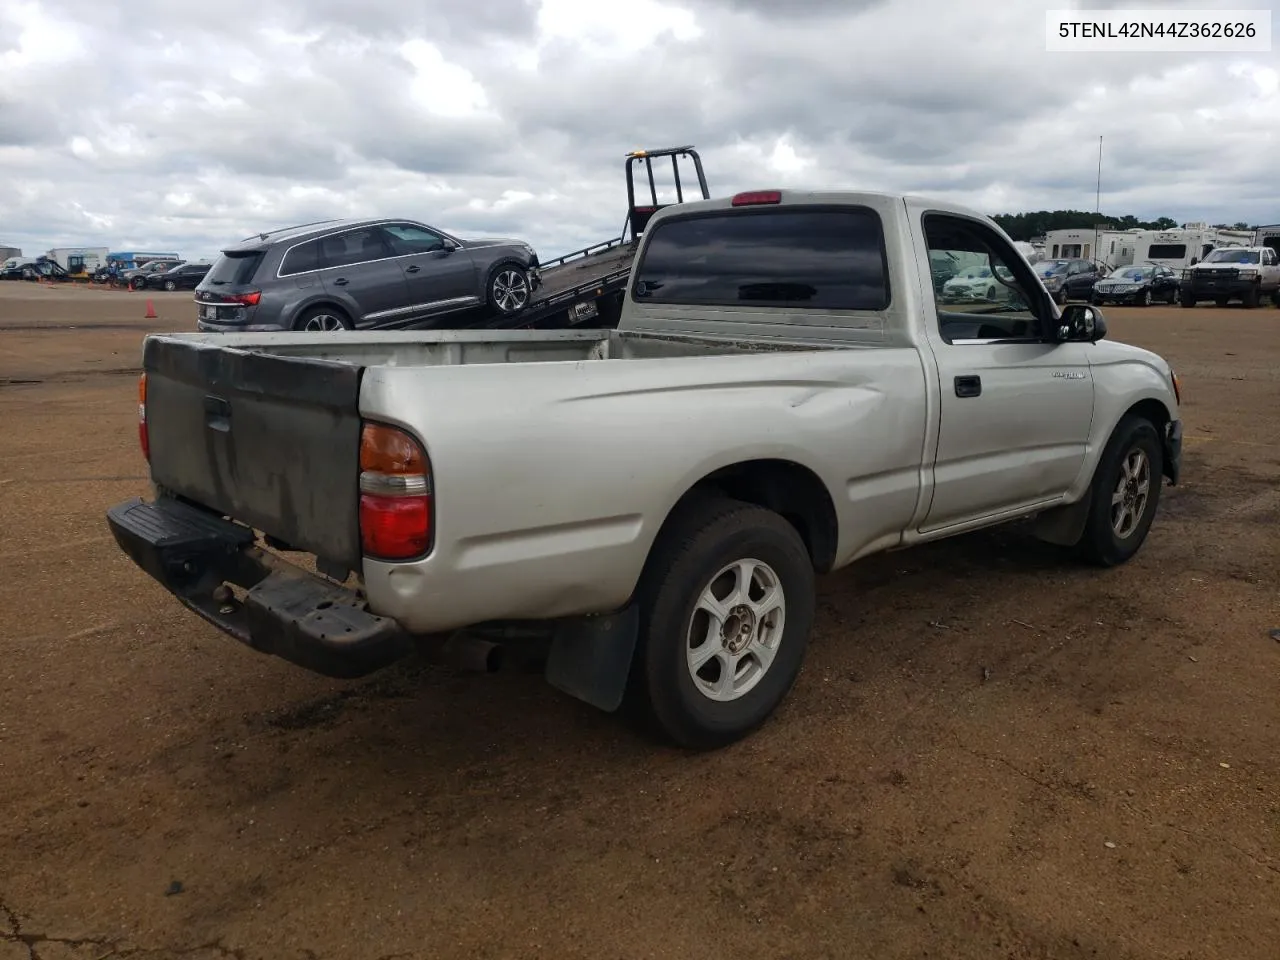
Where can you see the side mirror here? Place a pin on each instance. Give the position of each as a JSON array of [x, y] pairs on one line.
[[449, 246], [1081, 323]]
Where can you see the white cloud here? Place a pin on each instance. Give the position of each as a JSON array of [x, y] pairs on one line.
[[188, 126]]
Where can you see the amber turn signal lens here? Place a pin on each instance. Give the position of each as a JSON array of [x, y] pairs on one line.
[[385, 449]]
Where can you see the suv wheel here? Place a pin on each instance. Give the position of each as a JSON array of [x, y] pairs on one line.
[[322, 320], [509, 290]]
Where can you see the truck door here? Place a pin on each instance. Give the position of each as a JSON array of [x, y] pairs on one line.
[[1014, 409]]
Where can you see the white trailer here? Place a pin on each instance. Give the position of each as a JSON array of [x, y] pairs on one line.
[[1175, 248], [1115, 248], [1268, 236], [79, 259]]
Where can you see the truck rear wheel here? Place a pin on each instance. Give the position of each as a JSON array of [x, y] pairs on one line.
[[1125, 493], [726, 605]]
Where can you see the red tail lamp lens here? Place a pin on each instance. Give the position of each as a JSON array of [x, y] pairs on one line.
[[395, 528], [395, 494]]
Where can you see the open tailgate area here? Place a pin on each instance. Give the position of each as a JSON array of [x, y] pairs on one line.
[[268, 440]]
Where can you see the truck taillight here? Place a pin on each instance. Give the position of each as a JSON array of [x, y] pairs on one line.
[[395, 494], [142, 418]]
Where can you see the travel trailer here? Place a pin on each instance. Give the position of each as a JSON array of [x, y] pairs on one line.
[[1114, 248]]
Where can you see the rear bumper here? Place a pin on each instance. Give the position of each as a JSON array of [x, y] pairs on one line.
[[287, 612]]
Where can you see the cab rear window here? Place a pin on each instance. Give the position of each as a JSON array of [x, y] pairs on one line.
[[793, 257]]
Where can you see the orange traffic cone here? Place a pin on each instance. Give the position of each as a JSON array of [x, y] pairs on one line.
[[151, 311]]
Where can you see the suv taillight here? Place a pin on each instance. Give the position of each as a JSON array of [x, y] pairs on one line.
[[143, 439], [246, 299], [395, 494]]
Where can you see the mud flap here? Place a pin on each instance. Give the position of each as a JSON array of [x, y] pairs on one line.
[[1063, 526], [590, 657]]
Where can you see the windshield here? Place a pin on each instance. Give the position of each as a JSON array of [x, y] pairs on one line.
[[1229, 255], [1052, 266], [1136, 273], [976, 273]]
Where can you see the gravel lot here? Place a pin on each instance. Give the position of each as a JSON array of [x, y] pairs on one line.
[[991, 752]]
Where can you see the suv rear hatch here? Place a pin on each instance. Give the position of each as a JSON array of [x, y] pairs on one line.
[[227, 294], [271, 441]]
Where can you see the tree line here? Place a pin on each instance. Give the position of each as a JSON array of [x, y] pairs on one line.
[[1024, 226]]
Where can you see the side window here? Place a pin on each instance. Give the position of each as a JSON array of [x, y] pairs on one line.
[[358, 246], [986, 297], [408, 239], [301, 259], [796, 258]]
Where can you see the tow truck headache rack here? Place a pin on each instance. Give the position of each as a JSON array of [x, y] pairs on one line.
[[587, 284]]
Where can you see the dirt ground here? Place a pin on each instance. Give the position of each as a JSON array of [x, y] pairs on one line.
[[991, 752]]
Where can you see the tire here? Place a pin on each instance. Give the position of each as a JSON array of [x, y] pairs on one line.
[[170, 285], [703, 550], [1062, 296], [1146, 297], [1252, 299], [1113, 534], [1275, 297], [1188, 301], [991, 293], [507, 289], [322, 319]]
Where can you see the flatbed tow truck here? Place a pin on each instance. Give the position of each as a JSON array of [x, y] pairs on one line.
[[585, 288]]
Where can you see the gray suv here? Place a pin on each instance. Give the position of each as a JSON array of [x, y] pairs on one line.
[[344, 274]]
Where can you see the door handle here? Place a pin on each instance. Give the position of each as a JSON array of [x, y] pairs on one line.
[[968, 386], [412, 269], [340, 282]]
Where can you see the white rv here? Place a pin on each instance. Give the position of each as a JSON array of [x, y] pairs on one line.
[[1268, 236], [1175, 248], [1115, 248]]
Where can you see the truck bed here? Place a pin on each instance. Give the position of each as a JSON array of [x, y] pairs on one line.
[[265, 427]]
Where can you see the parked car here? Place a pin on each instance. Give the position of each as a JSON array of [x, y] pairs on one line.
[[136, 277], [977, 283], [185, 276], [1140, 284], [1069, 279], [1246, 274], [776, 402], [345, 274]]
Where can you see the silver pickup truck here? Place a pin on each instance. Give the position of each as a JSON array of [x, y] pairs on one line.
[[785, 393]]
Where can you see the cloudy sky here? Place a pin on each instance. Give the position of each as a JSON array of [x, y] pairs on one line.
[[148, 124]]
